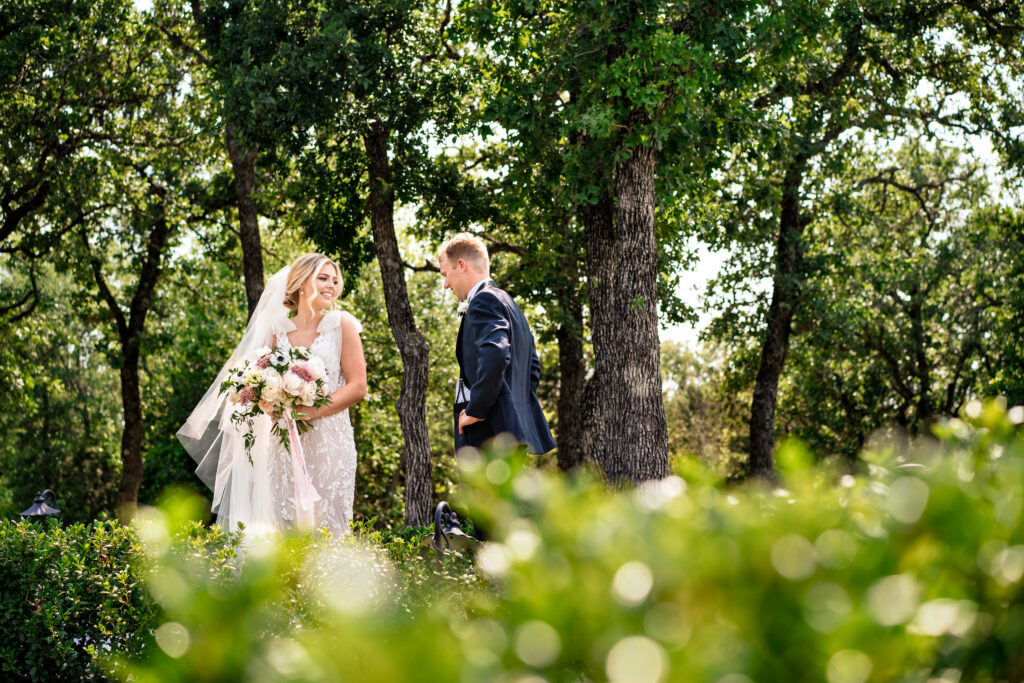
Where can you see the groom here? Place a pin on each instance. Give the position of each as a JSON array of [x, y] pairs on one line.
[[498, 364]]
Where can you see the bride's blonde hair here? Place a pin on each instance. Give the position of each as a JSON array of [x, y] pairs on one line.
[[299, 272]]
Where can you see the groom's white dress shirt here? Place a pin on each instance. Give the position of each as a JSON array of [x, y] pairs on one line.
[[461, 390]]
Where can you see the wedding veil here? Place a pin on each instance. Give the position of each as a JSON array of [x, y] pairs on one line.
[[241, 491]]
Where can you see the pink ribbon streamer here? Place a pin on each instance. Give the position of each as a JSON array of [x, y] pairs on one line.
[[305, 494]]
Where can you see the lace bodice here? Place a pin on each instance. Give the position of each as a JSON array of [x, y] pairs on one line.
[[327, 347]]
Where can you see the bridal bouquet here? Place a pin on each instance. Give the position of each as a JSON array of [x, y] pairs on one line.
[[286, 379]]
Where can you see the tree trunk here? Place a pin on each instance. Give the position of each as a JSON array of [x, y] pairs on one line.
[[243, 165], [131, 397], [129, 332], [131, 438], [785, 296], [622, 268], [571, 381], [601, 260], [925, 412], [50, 468], [413, 347], [592, 421]]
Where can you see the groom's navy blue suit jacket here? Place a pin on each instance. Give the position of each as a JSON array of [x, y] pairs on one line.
[[499, 365]]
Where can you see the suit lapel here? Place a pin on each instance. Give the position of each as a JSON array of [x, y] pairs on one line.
[[462, 326]]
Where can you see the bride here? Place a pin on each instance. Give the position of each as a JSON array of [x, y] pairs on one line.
[[296, 309]]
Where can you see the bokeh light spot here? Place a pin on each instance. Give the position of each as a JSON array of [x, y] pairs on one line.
[[907, 500], [836, 548], [537, 643], [942, 616], [826, 605], [849, 666], [893, 600], [636, 659], [498, 472], [523, 540], [288, 658], [632, 583], [151, 524], [493, 559], [793, 557], [656, 493], [172, 638], [1008, 565], [667, 622]]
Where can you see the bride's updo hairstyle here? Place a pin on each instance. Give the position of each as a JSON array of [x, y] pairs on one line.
[[301, 269]]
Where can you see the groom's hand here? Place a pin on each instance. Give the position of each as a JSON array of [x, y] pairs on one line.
[[466, 420]]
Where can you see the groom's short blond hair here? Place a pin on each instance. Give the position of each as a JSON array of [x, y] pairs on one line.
[[469, 248]]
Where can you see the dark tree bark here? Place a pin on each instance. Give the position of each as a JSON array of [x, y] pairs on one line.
[[598, 221], [243, 166], [571, 381], [785, 294], [592, 421], [636, 448], [412, 346], [925, 411], [129, 331], [622, 269], [131, 438]]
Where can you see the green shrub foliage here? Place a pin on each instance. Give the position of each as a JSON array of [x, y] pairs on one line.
[[68, 592], [909, 571]]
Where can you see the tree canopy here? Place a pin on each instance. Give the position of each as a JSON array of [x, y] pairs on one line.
[[860, 162]]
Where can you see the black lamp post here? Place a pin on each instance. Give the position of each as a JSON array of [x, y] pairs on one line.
[[41, 508], [447, 532]]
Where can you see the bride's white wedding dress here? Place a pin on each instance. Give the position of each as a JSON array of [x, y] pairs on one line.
[[254, 488], [330, 448]]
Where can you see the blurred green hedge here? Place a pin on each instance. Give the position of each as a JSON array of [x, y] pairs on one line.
[[76, 596], [909, 571]]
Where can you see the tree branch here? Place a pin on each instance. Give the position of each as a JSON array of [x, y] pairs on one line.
[[495, 245], [105, 293], [851, 61], [33, 294], [894, 365], [179, 42], [13, 217], [427, 267]]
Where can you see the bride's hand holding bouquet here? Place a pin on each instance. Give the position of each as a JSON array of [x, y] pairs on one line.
[[279, 383]]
